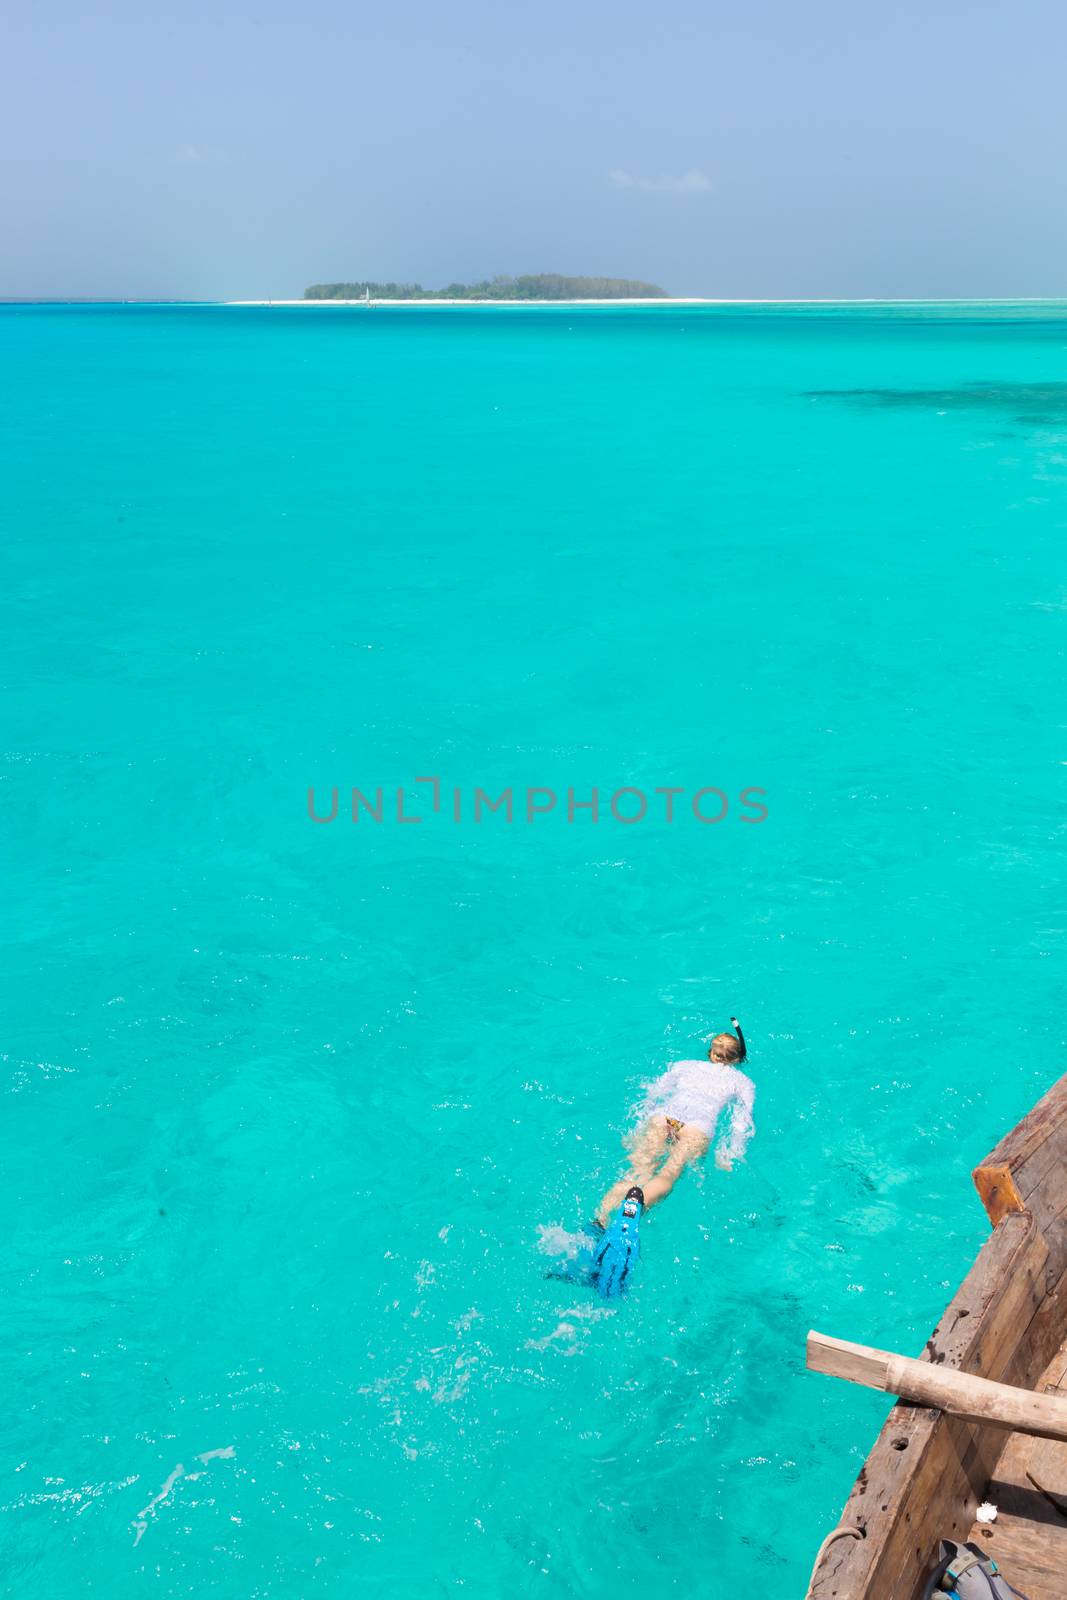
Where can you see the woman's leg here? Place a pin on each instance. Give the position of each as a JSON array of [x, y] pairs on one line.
[[648, 1149], [689, 1146]]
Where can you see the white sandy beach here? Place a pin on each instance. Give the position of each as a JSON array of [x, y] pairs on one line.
[[671, 300], [656, 301]]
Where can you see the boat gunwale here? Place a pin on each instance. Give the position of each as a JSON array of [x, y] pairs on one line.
[[927, 1471]]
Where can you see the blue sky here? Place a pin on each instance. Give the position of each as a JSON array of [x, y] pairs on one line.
[[766, 149]]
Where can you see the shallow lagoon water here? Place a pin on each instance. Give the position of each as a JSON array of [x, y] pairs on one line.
[[288, 1105]]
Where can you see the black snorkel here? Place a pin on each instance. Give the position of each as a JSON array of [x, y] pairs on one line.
[[740, 1038]]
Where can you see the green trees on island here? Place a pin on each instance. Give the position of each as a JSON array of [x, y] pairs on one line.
[[531, 286]]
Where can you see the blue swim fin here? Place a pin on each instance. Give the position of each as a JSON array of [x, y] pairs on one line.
[[617, 1253]]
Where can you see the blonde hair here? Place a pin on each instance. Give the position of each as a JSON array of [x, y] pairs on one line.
[[726, 1047]]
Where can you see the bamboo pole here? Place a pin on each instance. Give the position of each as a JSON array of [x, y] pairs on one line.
[[997, 1405]]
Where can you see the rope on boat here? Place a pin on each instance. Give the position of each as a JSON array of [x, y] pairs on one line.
[[845, 1530]]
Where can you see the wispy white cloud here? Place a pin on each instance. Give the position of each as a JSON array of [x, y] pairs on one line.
[[188, 155], [692, 182]]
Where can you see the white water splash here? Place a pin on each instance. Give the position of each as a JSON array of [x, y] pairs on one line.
[[556, 1241], [224, 1452]]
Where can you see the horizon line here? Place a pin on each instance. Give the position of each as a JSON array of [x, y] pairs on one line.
[[660, 300]]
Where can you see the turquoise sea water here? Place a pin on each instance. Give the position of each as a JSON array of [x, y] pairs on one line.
[[286, 1104]]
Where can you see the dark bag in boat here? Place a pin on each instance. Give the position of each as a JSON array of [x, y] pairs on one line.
[[967, 1571]]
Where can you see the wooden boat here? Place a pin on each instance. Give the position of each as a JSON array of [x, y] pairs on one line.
[[930, 1469]]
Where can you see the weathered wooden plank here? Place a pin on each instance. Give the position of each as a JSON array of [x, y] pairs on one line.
[[1038, 1169], [1039, 1342], [960, 1453], [945, 1492], [858, 1363], [928, 1470], [959, 1460], [1027, 1135], [1034, 1183], [1029, 1537], [981, 1324], [1002, 1338], [1056, 1383], [973, 1399], [846, 1568], [1038, 1184], [923, 1465]]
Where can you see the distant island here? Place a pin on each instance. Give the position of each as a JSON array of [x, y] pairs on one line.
[[533, 286]]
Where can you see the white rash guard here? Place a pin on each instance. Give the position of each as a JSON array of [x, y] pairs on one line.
[[697, 1093]]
